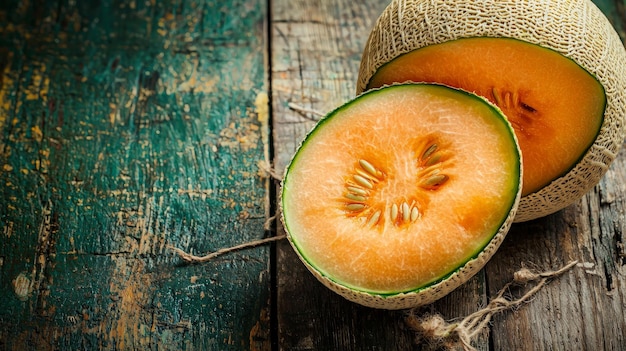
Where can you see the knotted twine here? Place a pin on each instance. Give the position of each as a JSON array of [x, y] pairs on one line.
[[433, 329]]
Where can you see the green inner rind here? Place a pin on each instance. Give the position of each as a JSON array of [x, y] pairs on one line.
[[515, 181]]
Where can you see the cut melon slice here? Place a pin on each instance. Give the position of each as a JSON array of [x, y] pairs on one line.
[[401, 195], [556, 68], [556, 117]]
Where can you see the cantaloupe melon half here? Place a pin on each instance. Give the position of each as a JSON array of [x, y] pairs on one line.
[[556, 116], [400, 196], [556, 68]]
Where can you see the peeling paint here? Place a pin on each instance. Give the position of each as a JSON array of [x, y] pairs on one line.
[[8, 229], [6, 90], [262, 110], [22, 286], [130, 323], [132, 286], [36, 133], [197, 83], [38, 87], [243, 137], [114, 146], [259, 337]]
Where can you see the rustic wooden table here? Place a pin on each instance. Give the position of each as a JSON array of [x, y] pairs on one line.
[[130, 127]]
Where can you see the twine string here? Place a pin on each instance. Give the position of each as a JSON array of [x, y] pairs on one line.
[[433, 329], [191, 258]]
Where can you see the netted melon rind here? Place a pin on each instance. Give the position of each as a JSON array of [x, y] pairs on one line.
[[575, 28]]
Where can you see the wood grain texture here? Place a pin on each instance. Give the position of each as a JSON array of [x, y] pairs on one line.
[[315, 54], [316, 50], [128, 127], [585, 308]]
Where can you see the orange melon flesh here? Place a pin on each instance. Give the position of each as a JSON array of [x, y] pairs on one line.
[[392, 129], [554, 105]]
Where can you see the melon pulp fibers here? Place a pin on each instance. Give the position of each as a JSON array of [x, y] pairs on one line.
[[570, 128], [556, 114], [401, 195]]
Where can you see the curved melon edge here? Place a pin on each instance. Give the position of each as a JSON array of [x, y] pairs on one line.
[[603, 55], [433, 291], [425, 295]]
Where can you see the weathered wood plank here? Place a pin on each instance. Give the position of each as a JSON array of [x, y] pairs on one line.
[[316, 48], [585, 309], [127, 127], [315, 52]]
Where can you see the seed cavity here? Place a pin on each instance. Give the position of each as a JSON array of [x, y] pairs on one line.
[[359, 189], [510, 100], [432, 164], [360, 199], [431, 156]]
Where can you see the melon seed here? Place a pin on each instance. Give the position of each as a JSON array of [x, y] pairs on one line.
[[406, 212], [374, 219], [367, 176], [363, 181], [496, 96], [369, 168], [355, 197], [393, 212], [357, 191], [429, 151], [435, 180], [355, 207], [433, 160], [433, 172]]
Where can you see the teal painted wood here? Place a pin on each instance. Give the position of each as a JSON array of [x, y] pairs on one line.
[[127, 127]]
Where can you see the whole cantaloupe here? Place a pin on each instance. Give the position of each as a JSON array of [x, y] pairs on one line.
[[574, 29]]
